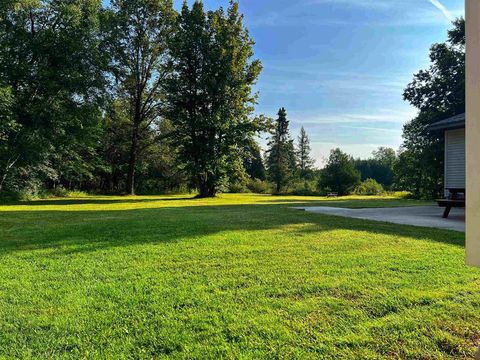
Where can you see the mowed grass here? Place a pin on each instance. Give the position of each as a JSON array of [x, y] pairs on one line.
[[240, 276]]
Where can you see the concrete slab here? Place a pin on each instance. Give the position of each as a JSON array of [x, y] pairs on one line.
[[427, 216]]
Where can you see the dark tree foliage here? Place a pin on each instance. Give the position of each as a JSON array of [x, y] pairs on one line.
[[9, 129], [131, 96], [281, 160], [379, 168], [438, 93], [138, 33], [304, 159], [210, 94], [51, 64], [339, 175], [253, 161]]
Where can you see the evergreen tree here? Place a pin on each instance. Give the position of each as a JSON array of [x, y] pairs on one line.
[[305, 162], [253, 162], [281, 164], [339, 175], [380, 167], [210, 94]]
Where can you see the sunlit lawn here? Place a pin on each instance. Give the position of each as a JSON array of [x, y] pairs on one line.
[[241, 276]]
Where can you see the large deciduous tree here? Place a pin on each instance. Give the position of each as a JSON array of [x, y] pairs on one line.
[[438, 93], [50, 63], [281, 161], [210, 93], [138, 37]]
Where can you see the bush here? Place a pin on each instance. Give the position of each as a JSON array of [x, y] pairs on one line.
[[258, 186], [237, 188], [325, 191], [59, 191], [305, 188], [369, 187], [401, 194]]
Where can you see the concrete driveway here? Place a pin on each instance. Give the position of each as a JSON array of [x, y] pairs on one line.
[[427, 216]]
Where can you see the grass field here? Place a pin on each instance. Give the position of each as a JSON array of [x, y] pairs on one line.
[[241, 276]]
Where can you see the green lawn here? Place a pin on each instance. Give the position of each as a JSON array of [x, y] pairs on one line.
[[241, 276]]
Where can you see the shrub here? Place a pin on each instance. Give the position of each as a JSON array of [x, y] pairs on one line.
[[401, 194], [369, 187], [305, 188], [59, 191], [258, 186], [325, 191], [237, 188]]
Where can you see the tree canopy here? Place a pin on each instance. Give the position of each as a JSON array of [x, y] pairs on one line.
[[51, 65], [209, 93], [339, 175], [438, 93], [101, 98]]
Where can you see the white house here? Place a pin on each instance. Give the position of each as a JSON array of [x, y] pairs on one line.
[[454, 129]]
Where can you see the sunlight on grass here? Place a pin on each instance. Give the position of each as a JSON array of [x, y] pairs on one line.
[[101, 203], [236, 276]]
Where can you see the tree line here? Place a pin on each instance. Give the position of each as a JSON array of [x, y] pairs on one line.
[[137, 97], [291, 168]]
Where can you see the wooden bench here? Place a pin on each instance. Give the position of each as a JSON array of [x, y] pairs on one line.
[[332, 194], [454, 200]]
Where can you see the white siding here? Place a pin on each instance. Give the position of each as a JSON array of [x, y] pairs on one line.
[[455, 158]]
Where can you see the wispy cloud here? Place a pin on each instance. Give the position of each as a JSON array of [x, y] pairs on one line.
[[443, 9], [394, 14], [371, 4], [385, 117]]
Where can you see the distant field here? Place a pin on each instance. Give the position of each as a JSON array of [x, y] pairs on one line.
[[240, 276]]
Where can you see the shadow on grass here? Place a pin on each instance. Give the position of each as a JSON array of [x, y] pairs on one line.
[[351, 203], [86, 201], [67, 232]]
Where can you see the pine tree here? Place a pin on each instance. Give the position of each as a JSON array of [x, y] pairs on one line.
[[305, 162], [281, 162], [253, 161]]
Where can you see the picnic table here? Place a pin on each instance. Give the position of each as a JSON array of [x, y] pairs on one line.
[[456, 198]]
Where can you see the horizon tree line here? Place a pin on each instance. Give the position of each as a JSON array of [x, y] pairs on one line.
[[139, 97]]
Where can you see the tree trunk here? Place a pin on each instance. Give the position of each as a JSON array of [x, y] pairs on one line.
[[206, 187], [10, 164], [2, 181], [132, 161]]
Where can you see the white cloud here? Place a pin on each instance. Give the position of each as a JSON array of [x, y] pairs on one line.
[[371, 4], [380, 116], [397, 14], [443, 9]]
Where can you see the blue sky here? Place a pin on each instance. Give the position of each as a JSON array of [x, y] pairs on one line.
[[339, 67]]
